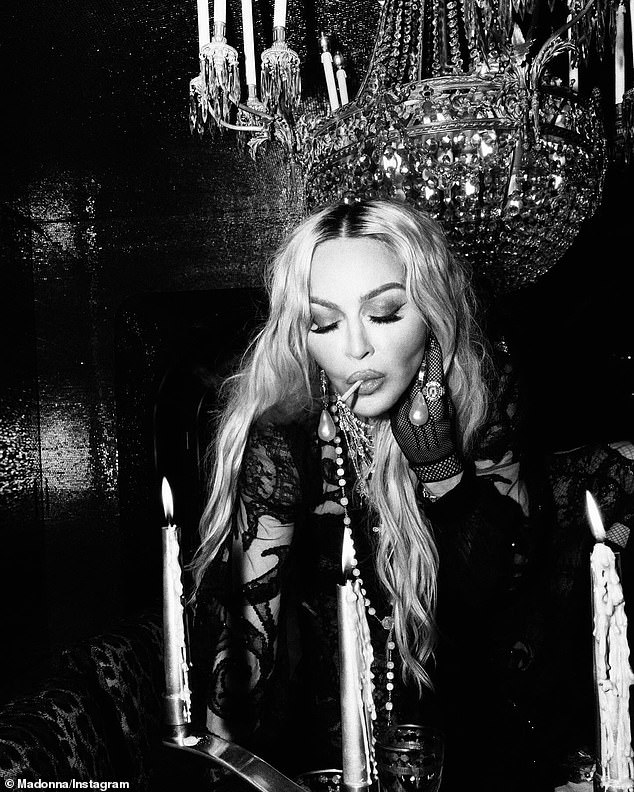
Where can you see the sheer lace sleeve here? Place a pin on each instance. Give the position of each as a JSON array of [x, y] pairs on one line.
[[252, 575]]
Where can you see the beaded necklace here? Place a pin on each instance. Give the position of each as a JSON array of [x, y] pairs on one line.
[[360, 444]]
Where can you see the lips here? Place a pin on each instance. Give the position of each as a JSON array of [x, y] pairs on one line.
[[366, 374], [371, 381], [370, 385]]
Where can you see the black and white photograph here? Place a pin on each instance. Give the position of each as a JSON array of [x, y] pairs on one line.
[[317, 401]]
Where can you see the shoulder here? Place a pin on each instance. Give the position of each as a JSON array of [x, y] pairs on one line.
[[272, 442], [275, 460]]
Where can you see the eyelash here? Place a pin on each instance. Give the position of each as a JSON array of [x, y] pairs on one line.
[[389, 319]]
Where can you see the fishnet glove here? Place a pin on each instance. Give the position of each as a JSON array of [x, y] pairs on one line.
[[430, 449]]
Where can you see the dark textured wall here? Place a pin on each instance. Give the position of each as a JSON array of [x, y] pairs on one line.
[[108, 206], [106, 198]]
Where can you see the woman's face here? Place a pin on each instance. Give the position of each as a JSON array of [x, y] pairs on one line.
[[364, 326]]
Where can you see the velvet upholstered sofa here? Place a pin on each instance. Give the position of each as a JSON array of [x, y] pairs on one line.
[[97, 717]]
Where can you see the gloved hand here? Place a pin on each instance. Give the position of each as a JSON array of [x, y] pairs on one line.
[[423, 421]]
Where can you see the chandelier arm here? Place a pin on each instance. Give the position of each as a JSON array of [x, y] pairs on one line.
[[563, 29], [238, 127], [254, 111]]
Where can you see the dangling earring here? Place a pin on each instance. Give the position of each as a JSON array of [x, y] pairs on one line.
[[326, 430], [419, 411], [431, 391]]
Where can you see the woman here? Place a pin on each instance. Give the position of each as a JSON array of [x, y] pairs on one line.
[[371, 323]]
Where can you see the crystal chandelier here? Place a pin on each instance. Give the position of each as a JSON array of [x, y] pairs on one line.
[[482, 113]]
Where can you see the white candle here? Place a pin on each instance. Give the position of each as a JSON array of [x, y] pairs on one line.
[[249, 44], [619, 54], [341, 80], [203, 23], [326, 60], [355, 716], [177, 693], [632, 28], [279, 14], [612, 673], [573, 70], [220, 11]]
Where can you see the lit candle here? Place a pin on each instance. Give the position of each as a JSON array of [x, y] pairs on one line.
[[356, 737], [203, 23], [279, 14], [177, 693], [249, 45], [619, 54], [612, 673], [326, 60], [220, 11], [341, 79]]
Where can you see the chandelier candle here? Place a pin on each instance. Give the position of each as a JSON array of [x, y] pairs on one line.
[[619, 54], [326, 62], [220, 12], [203, 23], [249, 45], [573, 67], [612, 673], [632, 30], [341, 79], [177, 693], [279, 14]]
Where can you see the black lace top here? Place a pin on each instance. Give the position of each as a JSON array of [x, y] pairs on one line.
[[513, 602]]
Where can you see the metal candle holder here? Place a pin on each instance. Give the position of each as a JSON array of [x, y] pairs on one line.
[[246, 765]]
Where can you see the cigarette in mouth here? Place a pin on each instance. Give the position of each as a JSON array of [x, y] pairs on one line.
[[351, 390]]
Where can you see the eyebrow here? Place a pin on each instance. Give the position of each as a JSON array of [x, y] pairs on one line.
[[364, 297]]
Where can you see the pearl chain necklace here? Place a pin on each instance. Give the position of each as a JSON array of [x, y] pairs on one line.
[[388, 621]]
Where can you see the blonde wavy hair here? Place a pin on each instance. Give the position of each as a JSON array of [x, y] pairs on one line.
[[279, 380]]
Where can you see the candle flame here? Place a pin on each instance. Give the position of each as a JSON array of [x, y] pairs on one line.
[[594, 517], [168, 502], [347, 554]]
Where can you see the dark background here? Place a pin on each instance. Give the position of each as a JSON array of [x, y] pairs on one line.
[[118, 229]]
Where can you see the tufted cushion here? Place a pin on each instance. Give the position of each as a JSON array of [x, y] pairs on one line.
[[59, 734], [124, 669]]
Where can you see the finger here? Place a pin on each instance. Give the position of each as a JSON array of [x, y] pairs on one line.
[[435, 371], [434, 436]]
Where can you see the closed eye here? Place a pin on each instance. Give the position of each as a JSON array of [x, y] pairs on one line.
[[387, 319], [319, 329]]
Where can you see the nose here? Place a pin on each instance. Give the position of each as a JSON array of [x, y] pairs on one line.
[[358, 343]]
